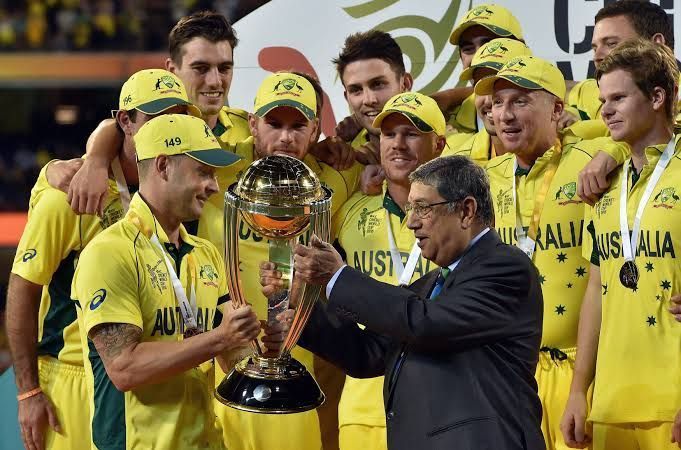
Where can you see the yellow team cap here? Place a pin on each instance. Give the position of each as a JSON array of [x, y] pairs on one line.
[[153, 91], [494, 55], [179, 134], [420, 109], [528, 72], [286, 89], [495, 18]]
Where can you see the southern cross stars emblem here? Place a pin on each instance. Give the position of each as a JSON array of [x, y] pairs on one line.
[[651, 321], [561, 257], [605, 288], [560, 310], [569, 285], [542, 278], [649, 266], [666, 285], [581, 271]]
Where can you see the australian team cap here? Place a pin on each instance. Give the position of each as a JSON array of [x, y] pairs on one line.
[[495, 18], [421, 110], [286, 89], [179, 134], [529, 72], [494, 54], [153, 91]]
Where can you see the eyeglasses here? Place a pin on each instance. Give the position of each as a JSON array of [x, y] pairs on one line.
[[422, 210]]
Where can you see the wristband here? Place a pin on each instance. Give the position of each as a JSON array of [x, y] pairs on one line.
[[29, 394]]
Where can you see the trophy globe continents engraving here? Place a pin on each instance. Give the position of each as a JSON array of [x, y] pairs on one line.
[[280, 198]]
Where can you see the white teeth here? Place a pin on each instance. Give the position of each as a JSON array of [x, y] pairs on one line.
[[211, 94]]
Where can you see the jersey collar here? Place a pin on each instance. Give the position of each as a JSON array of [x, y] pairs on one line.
[[390, 205], [140, 214]]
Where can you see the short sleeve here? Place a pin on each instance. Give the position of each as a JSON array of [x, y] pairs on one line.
[[106, 284], [51, 233]]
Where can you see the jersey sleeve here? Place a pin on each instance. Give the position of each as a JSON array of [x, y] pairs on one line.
[[106, 284], [51, 233]]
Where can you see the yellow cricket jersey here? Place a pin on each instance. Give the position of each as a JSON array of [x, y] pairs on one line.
[[361, 139], [361, 231], [47, 254], [558, 253], [584, 97], [464, 117], [477, 147], [639, 354], [122, 278], [232, 126]]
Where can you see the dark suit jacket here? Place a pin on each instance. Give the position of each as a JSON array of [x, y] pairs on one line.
[[467, 377]]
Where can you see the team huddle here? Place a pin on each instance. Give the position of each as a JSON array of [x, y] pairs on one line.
[[118, 312]]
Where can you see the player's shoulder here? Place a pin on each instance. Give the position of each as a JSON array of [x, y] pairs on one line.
[[235, 113], [117, 241], [357, 205], [500, 164]]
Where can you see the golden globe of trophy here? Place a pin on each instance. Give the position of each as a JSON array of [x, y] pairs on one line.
[[280, 198]]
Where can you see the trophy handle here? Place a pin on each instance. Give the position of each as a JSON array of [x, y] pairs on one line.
[[231, 255], [320, 224]]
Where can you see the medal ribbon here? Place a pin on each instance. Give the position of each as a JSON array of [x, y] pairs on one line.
[[121, 184], [527, 242], [188, 307], [403, 273], [629, 242]]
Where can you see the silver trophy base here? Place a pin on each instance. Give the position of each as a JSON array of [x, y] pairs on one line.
[[270, 386]]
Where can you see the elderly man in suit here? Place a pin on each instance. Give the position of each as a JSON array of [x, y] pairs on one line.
[[458, 348]]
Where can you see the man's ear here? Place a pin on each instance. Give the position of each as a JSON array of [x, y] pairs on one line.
[[162, 166], [468, 211], [170, 66], [314, 137], [658, 38], [253, 124], [440, 144], [123, 120], [658, 98], [407, 82], [558, 107]]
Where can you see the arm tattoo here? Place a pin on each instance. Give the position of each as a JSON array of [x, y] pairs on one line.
[[111, 339]]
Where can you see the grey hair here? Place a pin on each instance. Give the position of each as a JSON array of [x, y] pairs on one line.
[[455, 178]]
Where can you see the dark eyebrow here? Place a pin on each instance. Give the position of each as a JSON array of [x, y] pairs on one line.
[[206, 63]]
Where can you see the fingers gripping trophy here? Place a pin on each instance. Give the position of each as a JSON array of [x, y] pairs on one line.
[[280, 198]]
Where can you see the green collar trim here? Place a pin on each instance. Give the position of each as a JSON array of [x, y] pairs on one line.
[[392, 207], [219, 129], [177, 255], [519, 171]]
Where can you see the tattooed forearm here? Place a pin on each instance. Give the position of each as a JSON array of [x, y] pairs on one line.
[[111, 339]]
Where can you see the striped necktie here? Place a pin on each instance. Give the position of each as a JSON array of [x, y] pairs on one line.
[[440, 282]]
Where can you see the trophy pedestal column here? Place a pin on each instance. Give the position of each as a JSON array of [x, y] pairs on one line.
[[271, 386]]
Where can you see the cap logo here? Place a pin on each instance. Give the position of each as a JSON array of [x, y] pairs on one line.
[[491, 50], [127, 100], [515, 65], [477, 12], [407, 98], [168, 81], [288, 84]]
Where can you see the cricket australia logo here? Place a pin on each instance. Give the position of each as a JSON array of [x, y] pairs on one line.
[[504, 202], [666, 198], [288, 84], [479, 11], [407, 98], [514, 65], [566, 194], [158, 276], [601, 206], [208, 275], [368, 222], [167, 81], [494, 50]]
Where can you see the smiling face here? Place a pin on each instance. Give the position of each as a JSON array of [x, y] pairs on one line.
[[404, 147], [283, 131], [627, 111], [369, 84], [483, 103], [608, 33], [190, 183], [524, 119], [206, 69]]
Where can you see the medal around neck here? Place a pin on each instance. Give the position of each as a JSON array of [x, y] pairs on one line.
[[280, 198], [629, 275]]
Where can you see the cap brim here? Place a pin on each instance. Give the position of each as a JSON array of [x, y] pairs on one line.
[[305, 110], [163, 104], [413, 118], [215, 157], [458, 31], [468, 73], [486, 85]]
